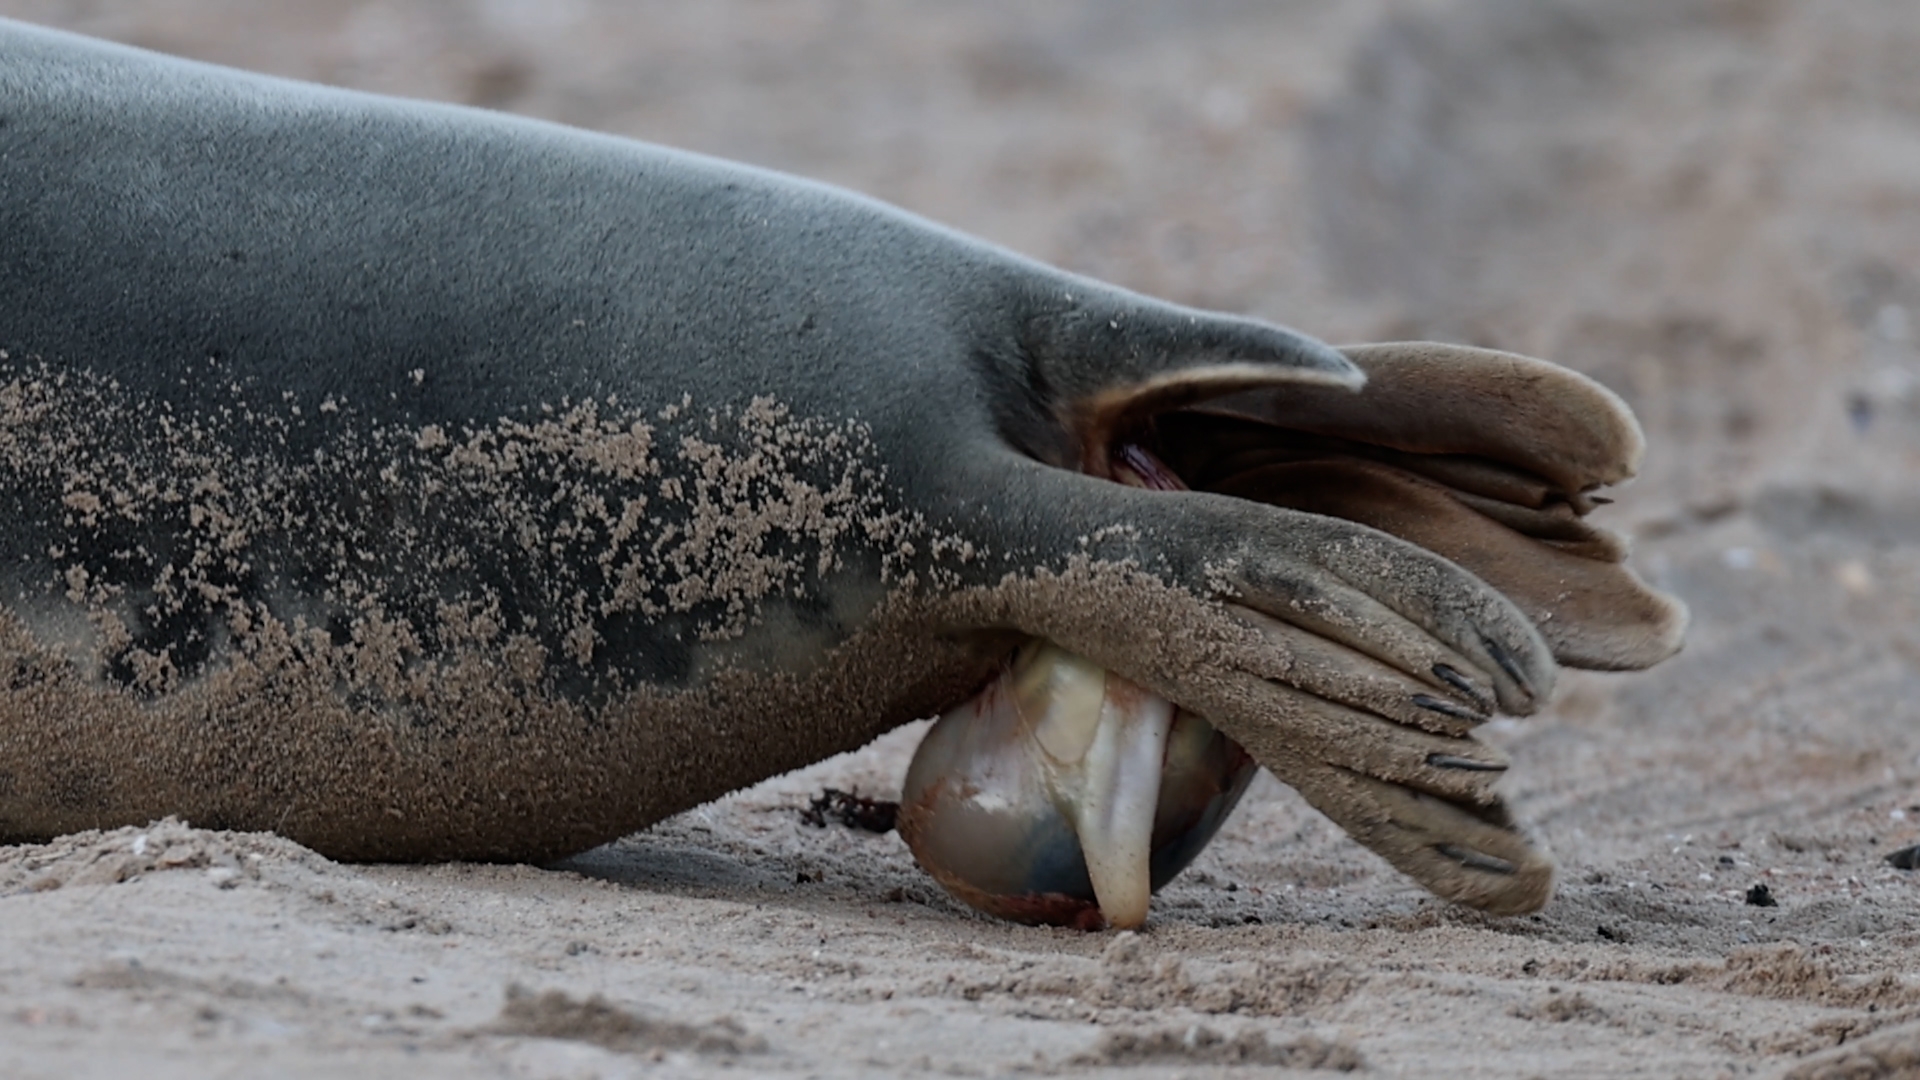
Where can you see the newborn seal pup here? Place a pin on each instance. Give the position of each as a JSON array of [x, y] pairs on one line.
[[426, 483], [1065, 794]]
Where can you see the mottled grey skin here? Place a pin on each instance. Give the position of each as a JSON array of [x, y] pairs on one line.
[[299, 298]]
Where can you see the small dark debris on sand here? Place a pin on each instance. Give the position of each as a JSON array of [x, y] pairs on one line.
[[1907, 858], [1203, 1045], [554, 1015], [1761, 896], [850, 810]]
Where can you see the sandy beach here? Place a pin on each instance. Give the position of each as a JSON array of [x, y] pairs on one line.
[[1711, 206]]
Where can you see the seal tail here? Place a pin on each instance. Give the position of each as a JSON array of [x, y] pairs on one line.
[[1096, 360]]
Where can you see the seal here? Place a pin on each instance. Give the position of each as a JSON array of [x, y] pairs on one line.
[[426, 483]]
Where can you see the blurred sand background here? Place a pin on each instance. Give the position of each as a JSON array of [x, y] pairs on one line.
[[1713, 206]]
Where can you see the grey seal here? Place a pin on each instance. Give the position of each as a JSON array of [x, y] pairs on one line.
[[423, 483]]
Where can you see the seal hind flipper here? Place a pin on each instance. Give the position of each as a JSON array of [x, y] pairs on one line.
[[1469, 854], [1594, 612], [1329, 650], [1429, 398], [1487, 458]]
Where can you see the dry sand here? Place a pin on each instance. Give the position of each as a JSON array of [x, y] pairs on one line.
[[1711, 205]]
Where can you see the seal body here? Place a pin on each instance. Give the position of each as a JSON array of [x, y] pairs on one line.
[[419, 482], [422, 482]]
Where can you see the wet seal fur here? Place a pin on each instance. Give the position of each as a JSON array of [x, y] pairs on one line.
[[422, 483]]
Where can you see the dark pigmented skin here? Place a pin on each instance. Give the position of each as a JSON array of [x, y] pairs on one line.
[[424, 483]]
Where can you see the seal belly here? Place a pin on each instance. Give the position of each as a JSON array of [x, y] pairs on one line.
[[462, 756]]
